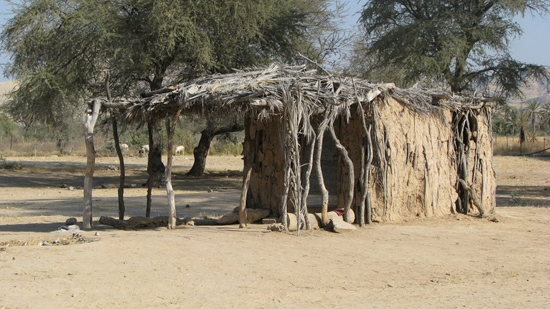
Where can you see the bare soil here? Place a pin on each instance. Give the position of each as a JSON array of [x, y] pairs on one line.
[[451, 262]]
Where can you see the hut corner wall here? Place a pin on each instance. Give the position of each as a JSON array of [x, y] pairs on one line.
[[417, 174]]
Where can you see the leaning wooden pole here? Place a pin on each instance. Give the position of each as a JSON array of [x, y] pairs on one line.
[[351, 176], [92, 113], [242, 205]]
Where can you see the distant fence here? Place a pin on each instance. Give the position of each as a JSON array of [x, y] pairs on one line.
[[511, 146]]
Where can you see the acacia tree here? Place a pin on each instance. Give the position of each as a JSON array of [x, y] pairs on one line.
[[63, 51], [463, 43], [310, 28]]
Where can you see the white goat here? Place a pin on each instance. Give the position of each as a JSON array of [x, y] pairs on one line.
[[144, 150], [179, 150]]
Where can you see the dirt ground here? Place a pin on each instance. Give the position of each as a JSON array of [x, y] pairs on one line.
[[452, 262]]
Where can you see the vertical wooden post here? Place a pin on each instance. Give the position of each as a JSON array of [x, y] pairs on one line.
[[92, 113], [168, 177], [170, 128], [122, 179], [150, 172], [305, 192]]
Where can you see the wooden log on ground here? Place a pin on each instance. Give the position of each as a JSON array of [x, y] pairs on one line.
[[473, 198], [293, 223], [338, 225], [135, 223], [330, 215], [252, 215]]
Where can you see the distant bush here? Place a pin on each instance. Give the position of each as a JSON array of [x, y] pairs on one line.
[[9, 165]]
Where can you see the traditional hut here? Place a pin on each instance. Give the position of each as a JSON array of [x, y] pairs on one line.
[[384, 152]]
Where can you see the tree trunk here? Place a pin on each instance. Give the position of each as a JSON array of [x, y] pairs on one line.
[[155, 167], [91, 117], [533, 120], [200, 153]]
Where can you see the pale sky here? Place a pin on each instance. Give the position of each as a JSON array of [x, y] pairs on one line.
[[532, 47]]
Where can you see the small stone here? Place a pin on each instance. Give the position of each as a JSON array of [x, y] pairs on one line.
[[69, 228], [187, 206], [269, 221], [276, 227], [96, 234], [71, 221]]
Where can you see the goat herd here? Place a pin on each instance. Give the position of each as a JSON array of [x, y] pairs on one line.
[[144, 150]]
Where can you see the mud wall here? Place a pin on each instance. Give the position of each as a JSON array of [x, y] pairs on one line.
[[263, 150], [415, 175]]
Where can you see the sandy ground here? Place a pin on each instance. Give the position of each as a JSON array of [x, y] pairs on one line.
[[452, 262]]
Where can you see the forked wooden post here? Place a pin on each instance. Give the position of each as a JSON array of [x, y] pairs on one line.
[[92, 112], [170, 128]]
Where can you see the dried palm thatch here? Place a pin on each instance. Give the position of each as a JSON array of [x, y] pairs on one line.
[[263, 90], [294, 95]]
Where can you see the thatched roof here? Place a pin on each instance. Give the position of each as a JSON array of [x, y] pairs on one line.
[[266, 90]]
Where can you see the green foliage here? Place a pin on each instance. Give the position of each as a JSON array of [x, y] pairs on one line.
[[64, 51], [7, 126], [463, 43]]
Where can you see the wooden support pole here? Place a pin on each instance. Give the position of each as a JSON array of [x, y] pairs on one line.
[[170, 128], [319, 170], [122, 179], [92, 113]]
